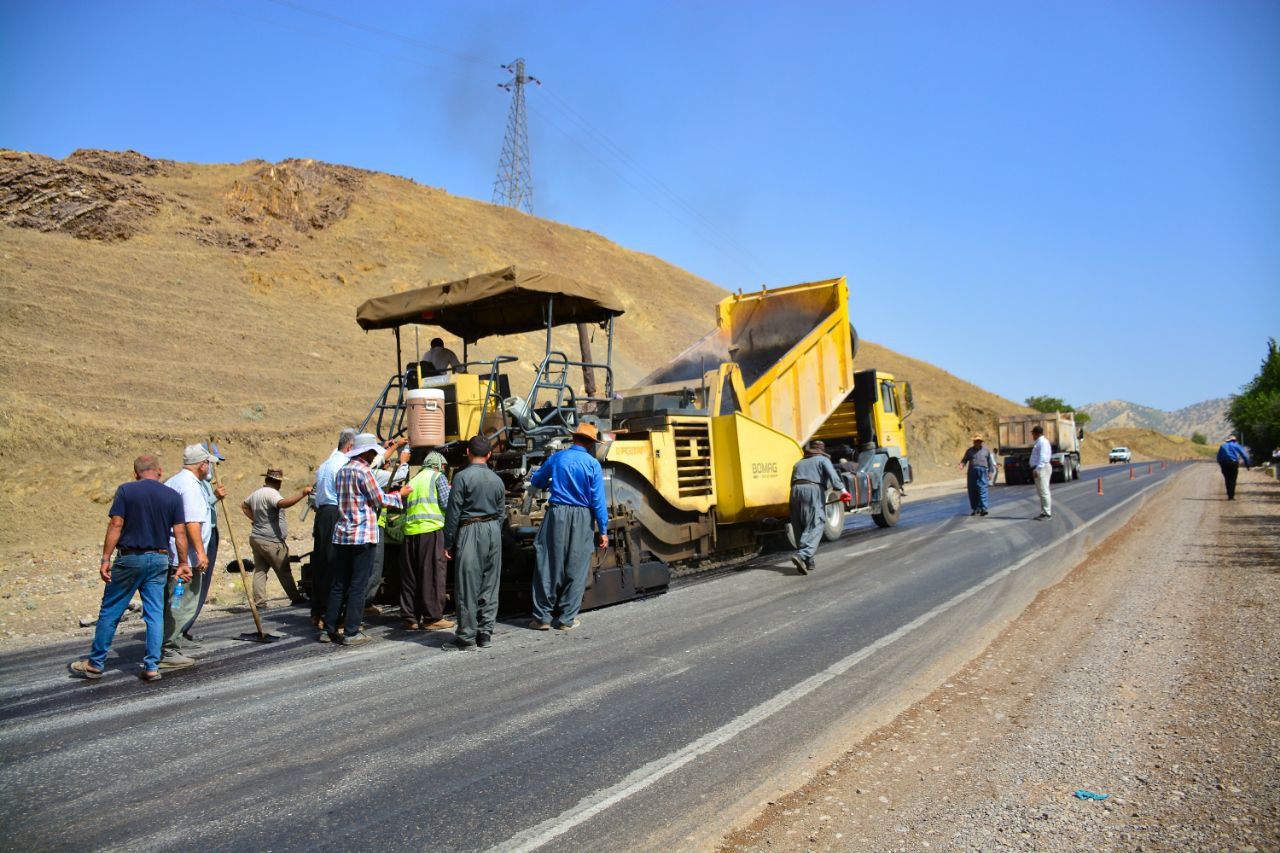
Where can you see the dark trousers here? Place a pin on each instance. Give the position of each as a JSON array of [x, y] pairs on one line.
[[562, 554], [1230, 471], [422, 577], [349, 575], [321, 557], [212, 552]]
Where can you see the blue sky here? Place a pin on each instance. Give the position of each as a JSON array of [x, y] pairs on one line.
[[1071, 198]]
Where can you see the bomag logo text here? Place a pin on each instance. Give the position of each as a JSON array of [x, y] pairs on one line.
[[764, 469]]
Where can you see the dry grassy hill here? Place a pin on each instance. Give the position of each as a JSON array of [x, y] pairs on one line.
[[148, 303]]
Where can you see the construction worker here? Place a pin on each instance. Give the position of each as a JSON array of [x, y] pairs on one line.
[[355, 538], [268, 538], [473, 540], [563, 547], [143, 515], [196, 512], [811, 477], [423, 565], [326, 503], [982, 466], [212, 494], [442, 359]]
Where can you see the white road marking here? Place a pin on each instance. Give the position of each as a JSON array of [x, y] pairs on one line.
[[645, 776]]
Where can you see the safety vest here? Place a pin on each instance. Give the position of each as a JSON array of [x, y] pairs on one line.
[[422, 511]]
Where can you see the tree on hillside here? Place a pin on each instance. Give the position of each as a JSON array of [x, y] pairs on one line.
[[1199, 438], [1044, 403], [1255, 411]]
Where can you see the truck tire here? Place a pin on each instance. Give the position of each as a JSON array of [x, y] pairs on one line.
[[833, 527], [890, 501]]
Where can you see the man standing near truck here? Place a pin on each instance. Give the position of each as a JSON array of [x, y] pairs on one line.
[[811, 477], [1042, 470], [473, 540], [981, 464], [1230, 455]]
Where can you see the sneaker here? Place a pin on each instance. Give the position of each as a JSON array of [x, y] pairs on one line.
[[983, 512], [324, 637], [483, 640], [801, 566], [356, 639], [538, 625], [811, 565], [569, 627], [439, 625], [173, 659]]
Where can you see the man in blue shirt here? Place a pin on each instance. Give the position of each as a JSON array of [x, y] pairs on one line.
[[326, 503], [562, 550], [143, 515], [1230, 455]]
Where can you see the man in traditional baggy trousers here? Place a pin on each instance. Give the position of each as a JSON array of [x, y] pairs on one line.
[[473, 540], [565, 538], [422, 568], [1230, 456], [811, 477]]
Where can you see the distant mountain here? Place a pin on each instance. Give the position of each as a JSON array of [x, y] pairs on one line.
[[1209, 417]]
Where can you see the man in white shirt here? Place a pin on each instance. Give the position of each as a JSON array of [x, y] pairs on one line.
[[1042, 470], [442, 358], [195, 515]]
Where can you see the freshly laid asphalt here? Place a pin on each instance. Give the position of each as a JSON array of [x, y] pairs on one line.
[[652, 725]]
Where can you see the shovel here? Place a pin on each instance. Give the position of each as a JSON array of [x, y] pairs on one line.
[[261, 636]]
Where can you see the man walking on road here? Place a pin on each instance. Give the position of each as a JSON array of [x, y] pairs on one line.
[[196, 512], [1042, 470], [143, 515], [473, 540], [1230, 455], [355, 538], [423, 567], [981, 465], [268, 536], [326, 503], [563, 547], [811, 477]]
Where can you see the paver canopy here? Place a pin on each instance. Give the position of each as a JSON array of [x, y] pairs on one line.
[[505, 302]]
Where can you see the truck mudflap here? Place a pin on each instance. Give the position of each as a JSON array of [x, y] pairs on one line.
[[618, 573]]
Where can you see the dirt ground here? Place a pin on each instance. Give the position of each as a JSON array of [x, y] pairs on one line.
[[1149, 674]]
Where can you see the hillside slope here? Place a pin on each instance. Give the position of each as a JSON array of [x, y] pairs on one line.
[[147, 303]]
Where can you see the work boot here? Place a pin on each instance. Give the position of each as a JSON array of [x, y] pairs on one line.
[[483, 640], [174, 659]]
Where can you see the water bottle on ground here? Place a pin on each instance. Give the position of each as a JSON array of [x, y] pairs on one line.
[[176, 599]]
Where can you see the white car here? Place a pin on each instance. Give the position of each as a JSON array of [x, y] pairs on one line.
[[1120, 454]]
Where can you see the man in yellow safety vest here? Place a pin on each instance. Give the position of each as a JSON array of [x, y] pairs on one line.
[[422, 571]]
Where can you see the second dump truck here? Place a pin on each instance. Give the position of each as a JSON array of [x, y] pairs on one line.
[[697, 458], [1016, 441]]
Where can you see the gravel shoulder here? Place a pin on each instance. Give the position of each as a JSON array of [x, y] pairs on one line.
[[1149, 674]]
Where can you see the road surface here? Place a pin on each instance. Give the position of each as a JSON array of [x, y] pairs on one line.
[[656, 724]]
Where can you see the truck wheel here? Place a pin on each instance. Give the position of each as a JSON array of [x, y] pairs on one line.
[[890, 502], [834, 524]]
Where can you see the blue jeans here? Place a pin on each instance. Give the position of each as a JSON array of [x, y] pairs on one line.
[[144, 574], [978, 488]]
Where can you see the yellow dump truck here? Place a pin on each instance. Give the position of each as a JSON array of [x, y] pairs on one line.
[[697, 457]]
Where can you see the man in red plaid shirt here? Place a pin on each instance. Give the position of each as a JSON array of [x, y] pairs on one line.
[[355, 539]]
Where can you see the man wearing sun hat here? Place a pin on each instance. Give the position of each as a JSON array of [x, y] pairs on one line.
[[811, 477], [268, 536], [981, 464], [195, 515], [563, 547], [212, 494], [1230, 455]]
